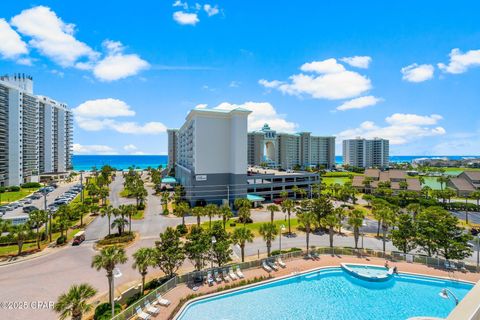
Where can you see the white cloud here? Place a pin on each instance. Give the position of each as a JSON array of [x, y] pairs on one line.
[[103, 108], [92, 149], [400, 128], [201, 106], [270, 84], [135, 128], [459, 143], [179, 3], [234, 84], [51, 36], [413, 119], [358, 61], [117, 65], [210, 10], [417, 73], [130, 147], [331, 81], [461, 62], [96, 115], [326, 66], [262, 112], [11, 45], [185, 18], [359, 103]]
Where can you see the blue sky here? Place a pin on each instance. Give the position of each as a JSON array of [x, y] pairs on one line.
[[408, 71]]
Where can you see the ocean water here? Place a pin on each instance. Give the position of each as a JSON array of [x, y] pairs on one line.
[[86, 162], [123, 162], [331, 294]]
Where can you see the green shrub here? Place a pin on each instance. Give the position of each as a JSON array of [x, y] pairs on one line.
[[133, 299], [277, 252], [155, 283], [115, 238], [31, 185], [3, 189], [14, 188], [182, 229], [61, 240], [104, 311]]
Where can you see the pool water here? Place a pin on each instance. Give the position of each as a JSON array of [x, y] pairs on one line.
[[331, 293], [371, 271]]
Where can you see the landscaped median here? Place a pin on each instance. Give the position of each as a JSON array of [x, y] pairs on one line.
[[183, 288]]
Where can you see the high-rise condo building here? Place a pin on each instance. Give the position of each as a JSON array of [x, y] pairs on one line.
[[290, 150], [172, 147], [211, 154], [365, 153], [35, 133]]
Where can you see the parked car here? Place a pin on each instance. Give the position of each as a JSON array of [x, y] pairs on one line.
[[29, 209], [36, 196]]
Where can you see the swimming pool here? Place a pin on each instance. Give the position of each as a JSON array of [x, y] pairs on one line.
[[331, 293]]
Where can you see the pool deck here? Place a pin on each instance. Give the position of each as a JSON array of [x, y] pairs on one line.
[[302, 265]]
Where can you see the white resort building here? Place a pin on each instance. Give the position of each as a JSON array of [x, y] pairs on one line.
[[364, 153], [290, 150], [210, 152], [35, 133]]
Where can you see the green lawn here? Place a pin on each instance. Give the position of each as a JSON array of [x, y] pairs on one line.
[[333, 180], [254, 227], [341, 174], [8, 197], [138, 215]]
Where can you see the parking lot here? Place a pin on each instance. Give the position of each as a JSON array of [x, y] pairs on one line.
[[62, 188]]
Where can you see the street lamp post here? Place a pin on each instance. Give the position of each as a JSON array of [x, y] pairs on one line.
[[116, 274], [81, 185], [478, 250], [363, 234], [282, 229], [214, 240]]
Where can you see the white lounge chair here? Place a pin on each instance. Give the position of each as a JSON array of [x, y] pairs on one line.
[[281, 263], [232, 274], [216, 276], [142, 314], [266, 267], [210, 280], [151, 309], [162, 301], [225, 276], [239, 273], [272, 265]]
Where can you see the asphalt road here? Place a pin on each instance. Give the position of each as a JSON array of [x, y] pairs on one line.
[[45, 277]]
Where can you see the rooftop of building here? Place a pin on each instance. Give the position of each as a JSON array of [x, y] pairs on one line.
[[269, 171]]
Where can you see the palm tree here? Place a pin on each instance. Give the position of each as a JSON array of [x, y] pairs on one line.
[[386, 218], [120, 224], [37, 218], [20, 234], [241, 236], [426, 191], [130, 210], [73, 303], [331, 221], [211, 210], [442, 180], [307, 219], [414, 209], [355, 220], [181, 210], [107, 259], [107, 211], [243, 206], [287, 206], [82, 209], [198, 212], [268, 231], [226, 213], [144, 258], [367, 182], [272, 208], [340, 212], [476, 195]]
